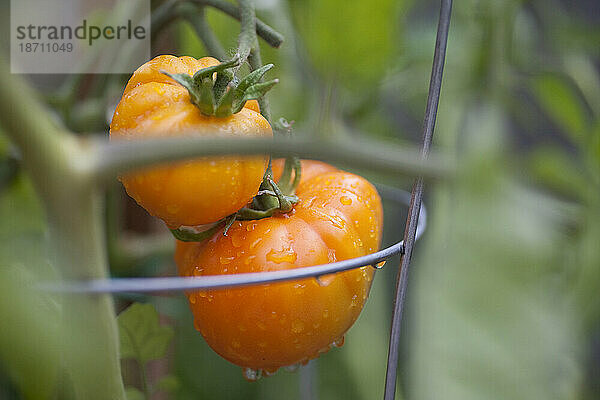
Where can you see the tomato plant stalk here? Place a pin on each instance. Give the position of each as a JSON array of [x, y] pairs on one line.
[[73, 208]]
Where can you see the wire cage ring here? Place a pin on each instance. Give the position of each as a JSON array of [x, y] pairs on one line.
[[178, 283]]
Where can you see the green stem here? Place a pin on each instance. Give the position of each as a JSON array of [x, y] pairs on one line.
[[247, 38], [109, 159], [271, 36], [73, 208], [145, 384], [196, 16], [163, 15]]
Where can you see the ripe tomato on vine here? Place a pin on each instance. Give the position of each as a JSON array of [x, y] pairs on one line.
[[262, 328], [176, 96]]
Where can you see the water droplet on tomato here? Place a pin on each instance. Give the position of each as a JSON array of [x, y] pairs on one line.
[[237, 240], [255, 243], [226, 260], [378, 265], [249, 259], [292, 368], [354, 301], [287, 254], [251, 375], [338, 342], [331, 255], [345, 200], [325, 280]]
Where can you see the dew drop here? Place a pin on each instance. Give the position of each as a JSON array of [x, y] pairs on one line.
[[292, 368], [226, 260], [378, 265], [338, 342], [255, 243], [261, 326], [249, 259], [325, 280], [284, 255], [331, 255], [345, 200], [251, 375], [237, 240]]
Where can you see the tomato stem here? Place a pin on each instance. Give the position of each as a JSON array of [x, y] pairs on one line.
[[188, 234]]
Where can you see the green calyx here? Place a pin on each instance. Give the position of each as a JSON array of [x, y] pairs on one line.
[[222, 96]]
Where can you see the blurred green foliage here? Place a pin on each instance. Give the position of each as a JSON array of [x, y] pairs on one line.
[[503, 293]]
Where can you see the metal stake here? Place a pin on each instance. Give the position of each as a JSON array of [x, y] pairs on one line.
[[416, 198]]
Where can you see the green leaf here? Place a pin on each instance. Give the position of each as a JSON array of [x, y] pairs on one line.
[[142, 337], [132, 393], [168, 383], [562, 104], [351, 41], [187, 82]]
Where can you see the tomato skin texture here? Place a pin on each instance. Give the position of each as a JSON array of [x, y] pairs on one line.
[[265, 327], [194, 192]]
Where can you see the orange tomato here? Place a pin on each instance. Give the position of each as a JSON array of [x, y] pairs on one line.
[[339, 216], [193, 192]]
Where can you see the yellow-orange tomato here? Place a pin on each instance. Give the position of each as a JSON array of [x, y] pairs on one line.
[[339, 216], [194, 192]]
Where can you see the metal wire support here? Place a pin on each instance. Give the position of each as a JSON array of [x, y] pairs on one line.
[[169, 284], [416, 198]]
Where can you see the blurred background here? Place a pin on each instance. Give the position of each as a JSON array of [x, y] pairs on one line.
[[504, 291]]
